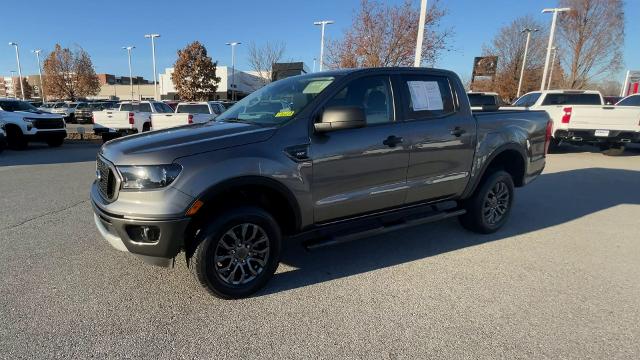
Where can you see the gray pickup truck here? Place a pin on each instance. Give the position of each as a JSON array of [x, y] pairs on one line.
[[317, 158]]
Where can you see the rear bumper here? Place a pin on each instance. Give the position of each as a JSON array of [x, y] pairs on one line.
[[588, 136], [121, 232], [98, 130]]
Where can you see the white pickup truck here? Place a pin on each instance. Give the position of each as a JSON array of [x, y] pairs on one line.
[[130, 118], [187, 113], [581, 117]]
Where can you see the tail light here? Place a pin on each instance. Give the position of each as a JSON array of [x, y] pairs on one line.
[[567, 115], [131, 118], [547, 136], [190, 118]]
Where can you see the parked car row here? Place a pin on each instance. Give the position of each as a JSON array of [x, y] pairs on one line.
[[137, 117], [581, 117]]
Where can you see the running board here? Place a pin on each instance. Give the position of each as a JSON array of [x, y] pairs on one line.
[[382, 229]]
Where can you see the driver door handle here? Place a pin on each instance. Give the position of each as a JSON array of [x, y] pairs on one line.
[[457, 131], [392, 141]]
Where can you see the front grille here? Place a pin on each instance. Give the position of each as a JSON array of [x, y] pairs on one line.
[[47, 124], [106, 179]]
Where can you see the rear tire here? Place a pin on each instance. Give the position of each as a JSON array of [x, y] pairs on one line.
[[146, 127], [238, 252], [614, 150], [489, 207]]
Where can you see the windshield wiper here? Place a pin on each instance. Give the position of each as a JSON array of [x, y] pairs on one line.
[[236, 120]]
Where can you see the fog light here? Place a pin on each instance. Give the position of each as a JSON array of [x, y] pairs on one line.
[[143, 233]]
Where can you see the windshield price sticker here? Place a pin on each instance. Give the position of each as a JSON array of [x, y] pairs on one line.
[[316, 87], [285, 113], [425, 95]]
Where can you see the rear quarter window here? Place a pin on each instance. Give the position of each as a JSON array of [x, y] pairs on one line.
[[572, 99]]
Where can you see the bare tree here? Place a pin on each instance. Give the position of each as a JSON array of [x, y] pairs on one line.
[[194, 73], [385, 35], [69, 74], [262, 58], [509, 46], [592, 36]]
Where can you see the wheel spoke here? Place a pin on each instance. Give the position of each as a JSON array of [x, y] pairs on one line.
[[241, 254]]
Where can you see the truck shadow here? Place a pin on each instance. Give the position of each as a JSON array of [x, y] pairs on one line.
[[630, 150], [39, 154], [553, 199]]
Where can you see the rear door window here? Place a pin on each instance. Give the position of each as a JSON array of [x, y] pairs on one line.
[[426, 96], [572, 99], [527, 100]]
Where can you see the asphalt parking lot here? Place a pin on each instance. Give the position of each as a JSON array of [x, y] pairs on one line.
[[561, 280]]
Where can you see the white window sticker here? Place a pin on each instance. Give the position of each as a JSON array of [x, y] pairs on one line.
[[425, 95]]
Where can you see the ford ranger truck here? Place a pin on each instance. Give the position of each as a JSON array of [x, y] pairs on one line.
[[317, 159]]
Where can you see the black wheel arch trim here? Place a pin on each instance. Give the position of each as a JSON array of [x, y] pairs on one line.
[[255, 180], [475, 181]]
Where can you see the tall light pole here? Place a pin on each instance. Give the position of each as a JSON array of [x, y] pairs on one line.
[[552, 31], [13, 83], [423, 15], [553, 62], [314, 64], [15, 45], [129, 48], [233, 68], [153, 55], [37, 52], [322, 23], [524, 59]]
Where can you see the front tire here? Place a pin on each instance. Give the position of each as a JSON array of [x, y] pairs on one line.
[[15, 139], [490, 206], [238, 253]]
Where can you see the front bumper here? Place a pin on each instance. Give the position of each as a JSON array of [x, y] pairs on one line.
[[588, 136], [118, 230], [44, 135]]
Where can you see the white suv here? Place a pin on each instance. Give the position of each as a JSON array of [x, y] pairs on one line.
[[24, 123]]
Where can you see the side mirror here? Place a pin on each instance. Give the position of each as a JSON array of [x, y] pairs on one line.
[[341, 118]]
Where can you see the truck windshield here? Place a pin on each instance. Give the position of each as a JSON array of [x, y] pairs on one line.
[[15, 105], [277, 102], [482, 99], [193, 109]]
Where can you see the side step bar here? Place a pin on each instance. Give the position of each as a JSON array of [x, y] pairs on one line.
[[382, 228]]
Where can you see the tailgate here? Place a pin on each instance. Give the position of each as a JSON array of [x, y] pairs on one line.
[[605, 118], [163, 121], [112, 119]]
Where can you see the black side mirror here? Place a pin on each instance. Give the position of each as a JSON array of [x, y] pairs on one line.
[[340, 118]]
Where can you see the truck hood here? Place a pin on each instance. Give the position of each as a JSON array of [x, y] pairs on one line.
[[38, 115], [164, 146]]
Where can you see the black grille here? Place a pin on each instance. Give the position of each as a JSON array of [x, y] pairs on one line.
[[48, 124], [106, 179]]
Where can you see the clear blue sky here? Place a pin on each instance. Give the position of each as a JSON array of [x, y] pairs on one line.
[[102, 28]]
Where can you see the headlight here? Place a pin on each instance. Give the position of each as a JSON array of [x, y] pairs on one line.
[[148, 177]]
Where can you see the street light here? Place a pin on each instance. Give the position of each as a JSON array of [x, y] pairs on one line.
[[322, 23], [37, 52], [13, 83], [129, 48], [153, 54], [553, 62], [552, 31], [233, 68], [423, 14], [524, 59], [19, 68]]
